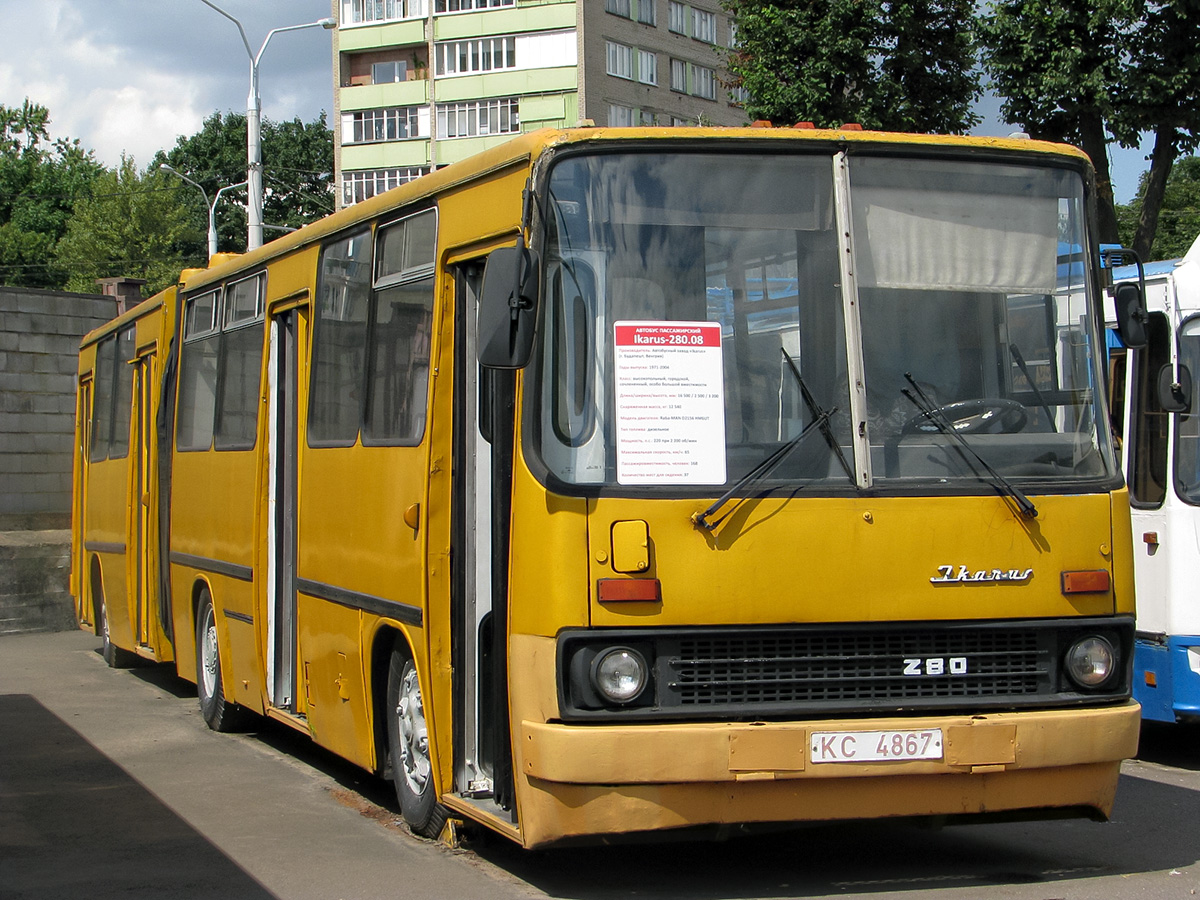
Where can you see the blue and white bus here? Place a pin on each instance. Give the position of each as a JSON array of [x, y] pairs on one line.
[[1156, 405]]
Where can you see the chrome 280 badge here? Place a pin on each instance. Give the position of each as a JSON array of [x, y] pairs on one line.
[[948, 575]]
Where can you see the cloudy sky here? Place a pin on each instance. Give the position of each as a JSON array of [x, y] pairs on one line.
[[133, 75]]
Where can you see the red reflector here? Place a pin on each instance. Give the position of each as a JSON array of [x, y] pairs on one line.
[[629, 590], [851, 126], [804, 125], [762, 123], [1092, 582]]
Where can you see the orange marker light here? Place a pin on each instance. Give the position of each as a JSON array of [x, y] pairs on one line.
[[629, 590], [1095, 581]]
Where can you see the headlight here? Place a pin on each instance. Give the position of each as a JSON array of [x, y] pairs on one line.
[[619, 674], [1091, 661]]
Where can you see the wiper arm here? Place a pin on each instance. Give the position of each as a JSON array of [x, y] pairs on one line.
[[1015, 352], [767, 466], [759, 472], [934, 415], [819, 416]]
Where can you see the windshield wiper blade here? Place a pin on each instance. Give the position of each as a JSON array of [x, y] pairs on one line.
[[818, 414], [820, 421], [759, 472], [934, 415], [1015, 352]]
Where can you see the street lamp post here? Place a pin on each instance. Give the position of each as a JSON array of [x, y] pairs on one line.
[[212, 207], [254, 200]]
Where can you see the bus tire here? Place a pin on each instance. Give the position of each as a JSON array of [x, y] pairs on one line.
[[114, 656], [221, 713], [408, 749]]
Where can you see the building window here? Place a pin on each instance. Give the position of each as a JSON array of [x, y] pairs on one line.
[[677, 19], [620, 59], [679, 76], [732, 33], [396, 123], [617, 7], [389, 72], [453, 6], [646, 12], [704, 82], [648, 118], [619, 116], [704, 26], [358, 12], [483, 55], [478, 117], [647, 67], [359, 186]]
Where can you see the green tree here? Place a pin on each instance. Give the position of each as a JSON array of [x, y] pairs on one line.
[[903, 65], [40, 181], [132, 225], [1159, 97], [1178, 214], [1061, 67], [297, 174]]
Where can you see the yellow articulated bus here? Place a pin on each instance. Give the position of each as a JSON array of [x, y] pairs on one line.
[[623, 480]]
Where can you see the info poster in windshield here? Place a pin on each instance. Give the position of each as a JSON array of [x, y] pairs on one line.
[[670, 403]]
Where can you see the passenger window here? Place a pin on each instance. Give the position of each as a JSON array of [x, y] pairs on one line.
[[240, 365], [339, 353]]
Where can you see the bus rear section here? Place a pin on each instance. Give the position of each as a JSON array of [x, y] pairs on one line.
[[116, 535], [1156, 389], [815, 509]]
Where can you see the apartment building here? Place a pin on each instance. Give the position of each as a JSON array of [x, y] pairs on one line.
[[422, 83]]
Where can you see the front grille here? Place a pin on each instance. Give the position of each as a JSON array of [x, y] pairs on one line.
[[813, 671], [840, 667]]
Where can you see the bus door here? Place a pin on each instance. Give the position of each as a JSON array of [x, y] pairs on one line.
[[482, 766], [283, 431], [1148, 460], [143, 526]]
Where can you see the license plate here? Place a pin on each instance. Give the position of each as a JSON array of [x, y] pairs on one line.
[[874, 746]]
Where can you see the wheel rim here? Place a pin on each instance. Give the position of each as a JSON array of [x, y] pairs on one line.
[[208, 655], [414, 736]]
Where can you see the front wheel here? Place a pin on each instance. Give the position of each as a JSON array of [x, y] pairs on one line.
[[408, 749], [219, 712]]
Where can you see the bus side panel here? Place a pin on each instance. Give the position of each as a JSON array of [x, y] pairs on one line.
[[105, 540], [213, 519]]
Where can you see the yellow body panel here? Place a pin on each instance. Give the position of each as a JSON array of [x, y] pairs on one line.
[[857, 560]]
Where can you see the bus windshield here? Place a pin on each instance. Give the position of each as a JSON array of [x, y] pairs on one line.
[[833, 322]]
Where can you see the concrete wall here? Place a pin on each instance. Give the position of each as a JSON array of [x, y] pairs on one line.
[[39, 348]]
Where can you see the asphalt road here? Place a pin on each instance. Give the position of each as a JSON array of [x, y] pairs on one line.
[[112, 786]]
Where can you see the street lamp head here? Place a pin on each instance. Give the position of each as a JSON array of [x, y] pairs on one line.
[[328, 24]]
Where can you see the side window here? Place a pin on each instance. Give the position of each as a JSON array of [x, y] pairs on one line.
[[112, 397], [102, 413], [1187, 437], [371, 347], [198, 374], [118, 447], [240, 365], [400, 331], [340, 342], [1148, 454]]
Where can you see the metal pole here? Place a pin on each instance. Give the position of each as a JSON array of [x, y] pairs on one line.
[[254, 188]]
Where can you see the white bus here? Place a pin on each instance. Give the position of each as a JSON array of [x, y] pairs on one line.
[[1156, 407]]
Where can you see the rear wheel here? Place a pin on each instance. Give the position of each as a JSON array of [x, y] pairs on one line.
[[116, 657], [408, 749], [221, 713]]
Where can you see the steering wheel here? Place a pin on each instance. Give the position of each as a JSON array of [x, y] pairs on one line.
[[987, 415]]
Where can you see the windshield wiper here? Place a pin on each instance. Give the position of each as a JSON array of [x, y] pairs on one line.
[[935, 416], [820, 421], [1015, 352]]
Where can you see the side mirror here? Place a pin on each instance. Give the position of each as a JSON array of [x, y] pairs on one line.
[[1175, 393], [508, 308], [1131, 315]]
